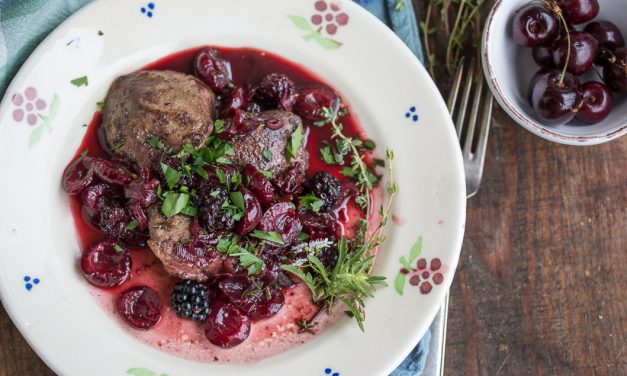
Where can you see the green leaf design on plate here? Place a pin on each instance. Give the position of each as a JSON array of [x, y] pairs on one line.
[[401, 277], [301, 23], [35, 136], [415, 250], [399, 283], [329, 44], [142, 372]]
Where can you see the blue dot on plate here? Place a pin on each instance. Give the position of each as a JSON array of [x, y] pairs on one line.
[[26, 278], [29, 286], [151, 5], [149, 14], [407, 115], [336, 374], [412, 109], [327, 371], [143, 10], [36, 281], [415, 118]]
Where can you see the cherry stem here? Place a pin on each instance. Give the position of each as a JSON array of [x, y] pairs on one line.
[[558, 11]]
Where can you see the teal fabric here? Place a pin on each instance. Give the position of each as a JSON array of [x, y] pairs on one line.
[[25, 23]]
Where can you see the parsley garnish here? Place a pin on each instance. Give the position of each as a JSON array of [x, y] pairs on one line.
[[80, 81], [100, 104], [266, 174], [175, 203], [294, 143], [132, 225], [172, 176], [84, 153], [156, 143], [267, 154], [117, 146], [270, 236], [218, 126], [237, 199], [118, 248], [311, 202], [247, 257]]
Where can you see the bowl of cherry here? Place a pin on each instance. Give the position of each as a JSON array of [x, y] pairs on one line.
[[559, 67]]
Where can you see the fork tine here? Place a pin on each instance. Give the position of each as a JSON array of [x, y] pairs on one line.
[[474, 113], [459, 123], [485, 129], [452, 98]]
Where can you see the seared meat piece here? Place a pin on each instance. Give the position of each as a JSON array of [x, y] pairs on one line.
[[174, 107], [273, 137], [171, 241]]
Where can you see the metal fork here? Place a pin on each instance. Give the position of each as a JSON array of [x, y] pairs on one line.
[[473, 151]]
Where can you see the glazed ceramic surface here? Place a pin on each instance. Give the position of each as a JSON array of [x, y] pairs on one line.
[[42, 122]]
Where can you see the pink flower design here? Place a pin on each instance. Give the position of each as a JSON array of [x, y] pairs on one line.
[[27, 106], [425, 276], [329, 16]]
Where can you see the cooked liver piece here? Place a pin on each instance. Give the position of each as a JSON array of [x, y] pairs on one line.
[[175, 107], [166, 238], [249, 148]]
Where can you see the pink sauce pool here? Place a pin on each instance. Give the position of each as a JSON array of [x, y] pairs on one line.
[[186, 338]]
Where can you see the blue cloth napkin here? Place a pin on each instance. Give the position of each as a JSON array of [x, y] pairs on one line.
[[42, 16]]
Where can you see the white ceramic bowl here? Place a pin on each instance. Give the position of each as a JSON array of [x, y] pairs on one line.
[[509, 67], [388, 89]]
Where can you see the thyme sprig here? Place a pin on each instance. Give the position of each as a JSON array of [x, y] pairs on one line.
[[349, 281]]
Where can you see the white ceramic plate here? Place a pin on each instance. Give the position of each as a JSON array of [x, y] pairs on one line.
[[383, 82]]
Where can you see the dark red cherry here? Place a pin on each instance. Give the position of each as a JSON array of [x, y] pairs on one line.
[[260, 186], [606, 33], [252, 214], [540, 75], [311, 102], [597, 102], [226, 326], [534, 25], [77, 176], [112, 171], [275, 90], [615, 71], [106, 264], [555, 102], [141, 307], [213, 70], [579, 11], [263, 304], [583, 52], [236, 100], [543, 56], [282, 218]]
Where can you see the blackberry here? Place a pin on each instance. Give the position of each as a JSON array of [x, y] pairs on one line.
[[326, 187], [190, 299], [211, 215]]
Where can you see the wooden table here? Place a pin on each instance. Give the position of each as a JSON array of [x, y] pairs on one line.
[[541, 286]]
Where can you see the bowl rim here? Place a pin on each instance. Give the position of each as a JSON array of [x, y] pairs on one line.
[[518, 116]]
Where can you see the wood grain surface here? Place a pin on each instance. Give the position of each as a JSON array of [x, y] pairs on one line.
[[541, 287]]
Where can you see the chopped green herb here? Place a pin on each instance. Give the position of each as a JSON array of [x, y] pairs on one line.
[[80, 81], [218, 126], [84, 153], [156, 143], [100, 33], [117, 146], [251, 292], [237, 199], [270, 236], [189, 211], [132, 225], [303, 236], [174, 203], [311, 202], [294, 143], [171, 175], [221, 175], [369, 144], [347, 171], [118, 248], [267, 154], [266, 174], [100, 104], [327, 155]]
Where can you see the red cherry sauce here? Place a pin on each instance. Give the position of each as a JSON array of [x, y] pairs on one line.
[[186, 338]]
